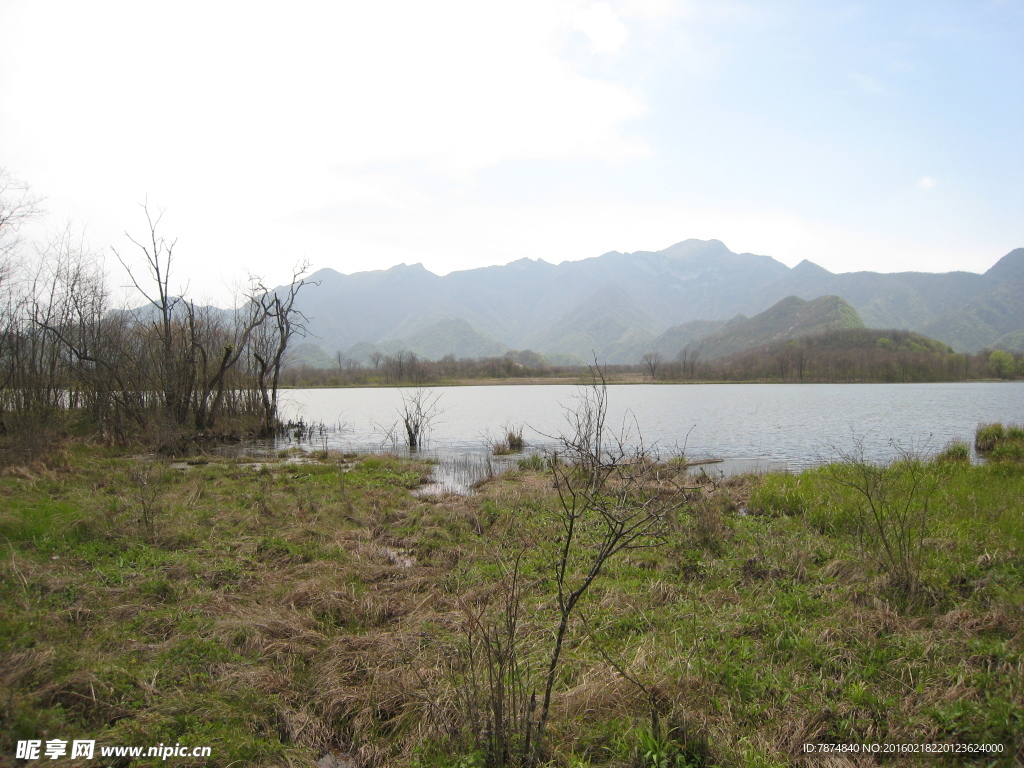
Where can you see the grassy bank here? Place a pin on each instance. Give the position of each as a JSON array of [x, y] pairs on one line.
[[277, 611]]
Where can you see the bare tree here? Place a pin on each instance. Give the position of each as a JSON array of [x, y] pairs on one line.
[[18, 205], [233, 343], [157, 367], [284, 321], [169, 361], [651, 361], [688, 359], [101, 354], [66, 292], [171, 318], [397, 366], [200, 347]]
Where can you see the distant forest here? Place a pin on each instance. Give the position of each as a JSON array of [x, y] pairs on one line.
[[843, 355]]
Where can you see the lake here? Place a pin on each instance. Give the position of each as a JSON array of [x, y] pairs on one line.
[[750, 426]]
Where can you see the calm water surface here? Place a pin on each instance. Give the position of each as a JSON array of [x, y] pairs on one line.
[[750, 426]]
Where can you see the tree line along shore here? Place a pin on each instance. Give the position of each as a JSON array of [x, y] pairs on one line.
[[841, 356]]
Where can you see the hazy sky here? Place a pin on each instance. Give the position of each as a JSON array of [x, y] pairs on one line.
[[860, 135]]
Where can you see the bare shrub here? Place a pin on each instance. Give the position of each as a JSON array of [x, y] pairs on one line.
[[889, 507], [612, 495], [417, 413], [493, 689], [147, 479]]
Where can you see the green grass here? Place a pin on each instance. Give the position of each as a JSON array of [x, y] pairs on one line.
[[276, 613], [1001, 442], [956, 452]]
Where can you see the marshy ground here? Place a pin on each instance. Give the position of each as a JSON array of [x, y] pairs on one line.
[[283, 611]]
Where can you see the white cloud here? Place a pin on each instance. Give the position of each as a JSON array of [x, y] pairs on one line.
[[926, 182], [652, 9], [240, 118], [602, 26], [457, 85]]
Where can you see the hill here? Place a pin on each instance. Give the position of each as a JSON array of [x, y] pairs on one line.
[[670, 343], [845, 354], [309, 355], [446, 336], [788, 319], [1011, 342]]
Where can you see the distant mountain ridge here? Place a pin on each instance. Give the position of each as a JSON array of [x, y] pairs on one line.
[[620, 305]]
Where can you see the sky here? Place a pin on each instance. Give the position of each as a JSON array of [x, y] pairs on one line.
[[885, 136]]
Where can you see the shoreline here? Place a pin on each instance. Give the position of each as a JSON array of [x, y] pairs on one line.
[[611, 380]]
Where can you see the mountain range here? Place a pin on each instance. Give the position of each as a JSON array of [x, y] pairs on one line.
[[696, 294]]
